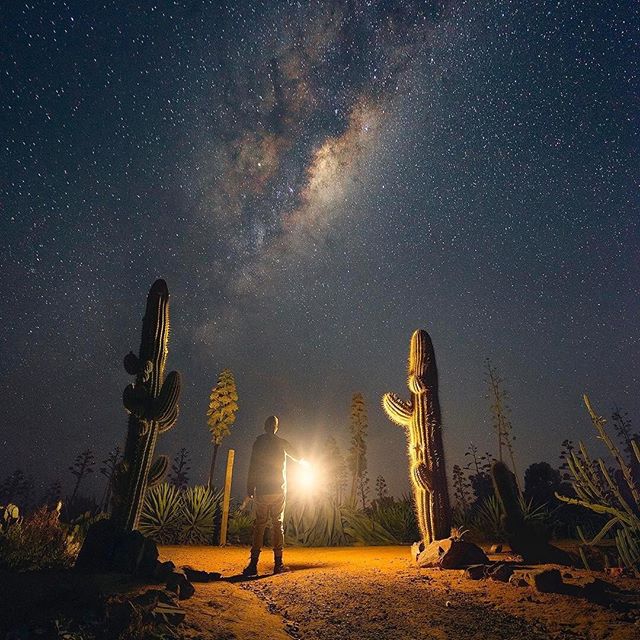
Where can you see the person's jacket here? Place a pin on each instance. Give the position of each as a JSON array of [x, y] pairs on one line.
[[267, 469]]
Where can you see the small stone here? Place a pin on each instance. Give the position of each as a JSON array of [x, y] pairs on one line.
[[195, 575], [449, 554], [596, 589], [495, 548], [163, 570], [475, 571], [120, 615], [199, 575], [517, 581], [500, 572], [178, 583], [545, 581]]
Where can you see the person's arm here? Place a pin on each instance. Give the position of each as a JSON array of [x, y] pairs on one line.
[[291, 451], [251, 478]]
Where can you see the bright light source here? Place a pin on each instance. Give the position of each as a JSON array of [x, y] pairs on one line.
[[306, 476]]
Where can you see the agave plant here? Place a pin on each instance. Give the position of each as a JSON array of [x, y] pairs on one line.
[[200, 506], [486, 522], [161, 514], [362, 529], [398, 518], [314, 524]]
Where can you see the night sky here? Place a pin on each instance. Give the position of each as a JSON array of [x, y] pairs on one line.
[[315, 181]]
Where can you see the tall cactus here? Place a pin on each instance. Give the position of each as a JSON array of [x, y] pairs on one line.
[[422, 421], [152, 403]]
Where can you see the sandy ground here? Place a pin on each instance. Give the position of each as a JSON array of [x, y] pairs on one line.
[[377, 593]]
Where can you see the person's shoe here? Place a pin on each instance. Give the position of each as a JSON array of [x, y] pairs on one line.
[[279, 566], [251, 569]]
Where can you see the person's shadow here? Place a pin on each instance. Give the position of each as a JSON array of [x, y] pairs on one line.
[[293, 566]]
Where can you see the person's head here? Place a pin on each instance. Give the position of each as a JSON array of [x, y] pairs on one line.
[[271, 424]]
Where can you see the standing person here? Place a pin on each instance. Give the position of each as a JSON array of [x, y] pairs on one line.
[[267, 484]]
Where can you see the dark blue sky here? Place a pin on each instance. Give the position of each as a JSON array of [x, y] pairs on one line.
[[314, 183]]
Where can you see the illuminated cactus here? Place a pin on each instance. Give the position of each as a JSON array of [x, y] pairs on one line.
[[152, 402], [421, 419]]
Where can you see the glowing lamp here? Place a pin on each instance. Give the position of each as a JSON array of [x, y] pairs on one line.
[[306, 476]]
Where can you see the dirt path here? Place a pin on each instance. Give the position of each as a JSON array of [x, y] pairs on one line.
[[375, 593]]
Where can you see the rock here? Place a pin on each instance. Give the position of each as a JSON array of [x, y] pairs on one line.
[[198, 575], [517, 581], [120, 615], [449, 554], [148, 599], [596, 590], [495, 548], [163, 570], [107, 549], [476, 571], [179, 584], [169, 613], [545, 581], [166, 609], [96, 553], [500, 572], [135, 554]]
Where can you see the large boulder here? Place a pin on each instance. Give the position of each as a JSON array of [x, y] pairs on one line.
[[107, 549], [448, 554]]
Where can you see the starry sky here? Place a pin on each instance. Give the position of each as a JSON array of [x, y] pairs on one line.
[[315, 180]]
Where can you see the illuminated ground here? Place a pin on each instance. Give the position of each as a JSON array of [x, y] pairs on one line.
[[375, 593]]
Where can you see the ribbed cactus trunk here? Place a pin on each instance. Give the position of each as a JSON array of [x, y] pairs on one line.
[[422, 421], [152, 402]]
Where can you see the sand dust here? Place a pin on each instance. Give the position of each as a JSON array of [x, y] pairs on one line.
[[376, 593]]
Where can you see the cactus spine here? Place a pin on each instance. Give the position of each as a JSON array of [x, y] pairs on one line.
[[152, 403], [422, 421]]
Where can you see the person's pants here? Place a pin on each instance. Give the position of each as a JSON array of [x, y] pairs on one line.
[[268, 507]]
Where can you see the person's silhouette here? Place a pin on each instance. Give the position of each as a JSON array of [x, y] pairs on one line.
[[267, 485]]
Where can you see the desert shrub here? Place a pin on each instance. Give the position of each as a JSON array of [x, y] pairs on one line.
[[240, 526], [174, 516], [38, 541], [359, 527], [199, 508], [397, 517], [614, 494], [484, 521], [314, 523], [323, 522]]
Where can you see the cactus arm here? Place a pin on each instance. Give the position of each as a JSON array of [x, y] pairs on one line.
[[422, 477], [416, 385], [132, 364], [598, 508], [397, 410], [169, 420], [167, 401], [157, 471], [583, 473], [615, 489], [599, 422]]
